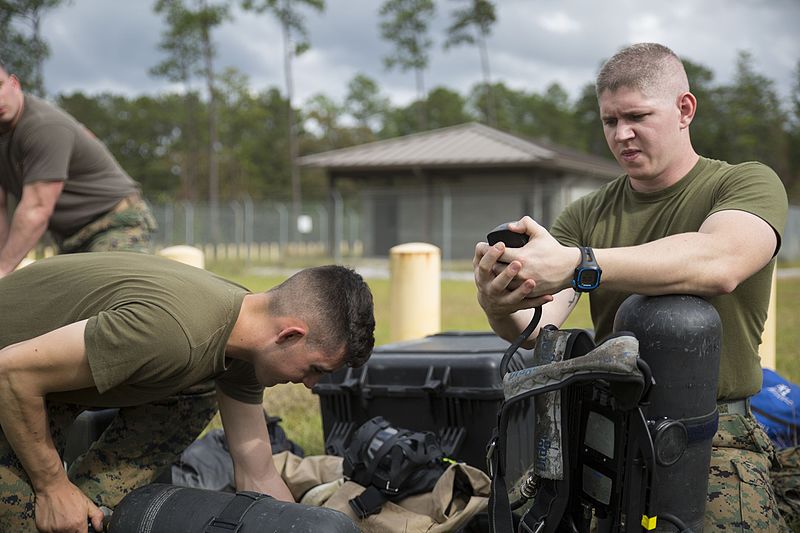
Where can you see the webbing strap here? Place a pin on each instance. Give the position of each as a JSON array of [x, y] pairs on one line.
[[701, 428], [368, 502], [500, 519], [230, 519], [385, 448], [423, 455]]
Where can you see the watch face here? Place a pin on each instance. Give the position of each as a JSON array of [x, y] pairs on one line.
[[588, 278]]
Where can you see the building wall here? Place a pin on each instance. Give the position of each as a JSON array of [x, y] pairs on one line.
[[456, 211]]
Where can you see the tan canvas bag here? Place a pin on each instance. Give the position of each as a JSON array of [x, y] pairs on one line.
[[318, 480]]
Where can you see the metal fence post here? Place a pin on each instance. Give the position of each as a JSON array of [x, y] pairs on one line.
[[447, 224], [354, 227], [238, 225], [169, 224], [283, 215], [338, 214], [322, 213], [249, 221], [188, 213]]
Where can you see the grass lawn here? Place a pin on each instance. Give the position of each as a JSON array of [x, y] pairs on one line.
[[299, 408]]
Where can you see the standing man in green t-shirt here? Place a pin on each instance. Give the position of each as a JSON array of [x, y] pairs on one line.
[[675, 222], [64, 180], [128, 330]]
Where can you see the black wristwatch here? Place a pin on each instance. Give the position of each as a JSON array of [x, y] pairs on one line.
[[587, 275]]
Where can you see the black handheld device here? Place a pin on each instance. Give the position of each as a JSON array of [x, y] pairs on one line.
[[512, 239]]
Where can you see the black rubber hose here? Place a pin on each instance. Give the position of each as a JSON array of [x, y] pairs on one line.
[[537, 316]]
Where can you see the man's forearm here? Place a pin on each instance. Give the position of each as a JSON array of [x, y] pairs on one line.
[[25, 426], [25, 231], [729, 247], [29, 370], [554, 312], [59, 505], [689, 263], [248, 441], [510, 326]]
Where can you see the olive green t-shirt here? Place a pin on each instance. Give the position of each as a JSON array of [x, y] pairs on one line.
[[47, 144], [155, 326], [617, 216]]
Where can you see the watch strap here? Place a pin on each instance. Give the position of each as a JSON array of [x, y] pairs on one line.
[[589, 265], [587, 256]]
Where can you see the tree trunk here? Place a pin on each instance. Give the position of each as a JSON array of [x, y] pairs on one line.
[[213, 138], [190, 171], [38, 76], [293, 144], [422, 105], [491, 111]]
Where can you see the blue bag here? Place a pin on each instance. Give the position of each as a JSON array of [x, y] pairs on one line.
[[776, 409]]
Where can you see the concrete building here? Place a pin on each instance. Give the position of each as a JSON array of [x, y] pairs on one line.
[[450, 186]]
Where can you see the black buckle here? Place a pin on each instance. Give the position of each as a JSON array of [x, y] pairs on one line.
[[222, 526], [234, 510], [490, 449], [367, 503]]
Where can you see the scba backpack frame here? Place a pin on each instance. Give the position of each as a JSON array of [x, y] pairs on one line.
[[623, 430]]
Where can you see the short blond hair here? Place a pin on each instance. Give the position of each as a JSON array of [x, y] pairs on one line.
[[651, 68]]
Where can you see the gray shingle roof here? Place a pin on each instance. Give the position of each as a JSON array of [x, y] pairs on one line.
[[464, 145]]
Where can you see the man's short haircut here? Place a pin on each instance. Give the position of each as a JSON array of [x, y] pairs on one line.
[[653, 69], [336, 303]]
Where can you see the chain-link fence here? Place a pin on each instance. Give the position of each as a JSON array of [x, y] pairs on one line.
[[259, 230], [264, 230], [790, 247]]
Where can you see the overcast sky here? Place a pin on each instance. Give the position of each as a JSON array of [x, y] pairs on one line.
[[109, 45]]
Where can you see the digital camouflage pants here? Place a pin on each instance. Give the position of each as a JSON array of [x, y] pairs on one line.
[[125, 228], [740, 494], [786, 482], [138, 444]]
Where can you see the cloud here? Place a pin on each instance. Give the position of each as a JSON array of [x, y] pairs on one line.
[[647, 27], [102, 45], [559, 22]]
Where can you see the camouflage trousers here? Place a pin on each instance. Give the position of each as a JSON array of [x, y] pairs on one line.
[[740, 494], [127, 227], [133, 450], [786, 483]]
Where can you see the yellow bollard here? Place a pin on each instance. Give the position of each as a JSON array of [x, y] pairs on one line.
[[766, 350], [415, 292], [184, 254]]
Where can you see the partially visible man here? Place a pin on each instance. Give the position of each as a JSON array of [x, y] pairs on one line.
[[674, 223], [129, 330], [65, 180]]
